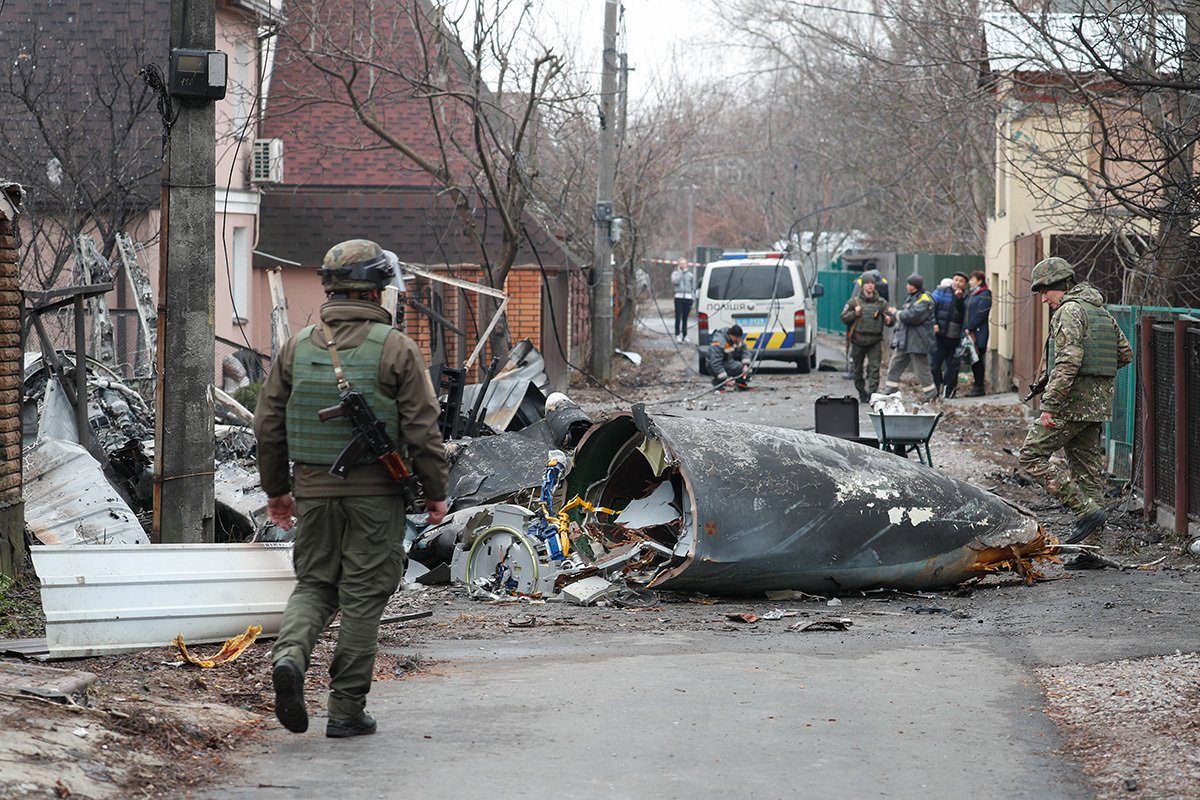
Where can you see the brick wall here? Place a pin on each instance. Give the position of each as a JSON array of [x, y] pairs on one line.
[[12, 523], [524, 314]]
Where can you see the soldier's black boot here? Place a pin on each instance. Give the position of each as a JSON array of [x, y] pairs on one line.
[[288, 681], [363, 725], [1086, 524]]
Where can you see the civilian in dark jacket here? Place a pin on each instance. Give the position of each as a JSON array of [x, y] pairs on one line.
[[913, 338], [728, 358], [948, 313], [977, 310]]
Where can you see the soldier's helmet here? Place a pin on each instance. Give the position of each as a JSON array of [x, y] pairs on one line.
[[356, 265], [1050, 271]]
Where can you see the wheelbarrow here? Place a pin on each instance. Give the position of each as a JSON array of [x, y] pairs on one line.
[[906, 433]]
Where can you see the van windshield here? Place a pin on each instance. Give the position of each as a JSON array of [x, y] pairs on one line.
[[750, 282]]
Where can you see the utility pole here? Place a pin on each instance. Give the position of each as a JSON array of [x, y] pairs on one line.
[[183, 420], [602, 271], [691, 223]]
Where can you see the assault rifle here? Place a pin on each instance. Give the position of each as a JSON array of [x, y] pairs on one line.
[[1036, 388], [370, 435]]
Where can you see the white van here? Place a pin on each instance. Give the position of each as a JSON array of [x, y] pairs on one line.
[[766, 294]]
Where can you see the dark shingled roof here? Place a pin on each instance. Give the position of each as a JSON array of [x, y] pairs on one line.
[[416, 222]]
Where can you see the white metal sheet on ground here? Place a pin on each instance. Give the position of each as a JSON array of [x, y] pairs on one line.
[[69, 501], [122, 598]]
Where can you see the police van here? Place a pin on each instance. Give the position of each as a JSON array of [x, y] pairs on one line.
[[765, 293]]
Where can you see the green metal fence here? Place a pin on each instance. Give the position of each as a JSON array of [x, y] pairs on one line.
[[1122, 431], [838, 286], [933, 267]]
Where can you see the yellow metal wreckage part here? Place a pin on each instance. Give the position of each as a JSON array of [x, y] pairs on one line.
[[562, 523], [228, 652]]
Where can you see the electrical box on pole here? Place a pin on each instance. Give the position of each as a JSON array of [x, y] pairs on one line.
[[184, 505]]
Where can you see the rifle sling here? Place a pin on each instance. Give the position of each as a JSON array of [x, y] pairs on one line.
[[338, 374]]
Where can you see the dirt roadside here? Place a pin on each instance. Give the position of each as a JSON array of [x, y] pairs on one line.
[[151, 727]]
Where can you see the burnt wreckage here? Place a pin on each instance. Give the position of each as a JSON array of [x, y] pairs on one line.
[[724, 508], [642, 501]]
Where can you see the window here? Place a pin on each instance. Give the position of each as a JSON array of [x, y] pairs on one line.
[[750, 283], [239, 277], [243, 85]]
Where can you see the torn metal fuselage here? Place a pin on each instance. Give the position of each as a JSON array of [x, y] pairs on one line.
[[752, 508]]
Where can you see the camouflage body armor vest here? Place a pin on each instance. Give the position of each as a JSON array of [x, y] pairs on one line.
[[314, 388], [1099, 342]]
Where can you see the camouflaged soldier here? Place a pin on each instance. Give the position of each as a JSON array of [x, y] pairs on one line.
[[349, 550], [1084, 350]]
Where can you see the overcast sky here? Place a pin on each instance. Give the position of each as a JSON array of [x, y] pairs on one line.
[[654, 30]]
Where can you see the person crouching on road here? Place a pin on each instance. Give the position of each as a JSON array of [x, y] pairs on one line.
[[728, 358], [913, 339], [1084, 350], [349, 549], [867, 315], [684, 282]]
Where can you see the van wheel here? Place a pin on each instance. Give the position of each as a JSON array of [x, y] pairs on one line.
[[703, 365], [804, 365]]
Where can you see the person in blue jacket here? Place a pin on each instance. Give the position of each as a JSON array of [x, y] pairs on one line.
[[948, 312], [977, 310]]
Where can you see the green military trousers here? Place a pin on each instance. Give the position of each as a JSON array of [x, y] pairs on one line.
[[349, 555], [1080, 487], [866, 381]]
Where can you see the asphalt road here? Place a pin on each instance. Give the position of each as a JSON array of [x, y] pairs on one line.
[[679, 703]]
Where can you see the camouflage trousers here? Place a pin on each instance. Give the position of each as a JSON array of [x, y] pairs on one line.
[[869, 355], [1080, 487], [349, 555]]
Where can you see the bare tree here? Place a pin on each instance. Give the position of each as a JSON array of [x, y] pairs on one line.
[[453, 96], [1126, 78], [81, 135], [889, 124]]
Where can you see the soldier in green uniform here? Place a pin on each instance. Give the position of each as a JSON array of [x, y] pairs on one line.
[[867, 315], [349, 549], [1083, 353]]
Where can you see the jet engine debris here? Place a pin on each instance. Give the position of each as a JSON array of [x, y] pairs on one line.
[[733, 509]]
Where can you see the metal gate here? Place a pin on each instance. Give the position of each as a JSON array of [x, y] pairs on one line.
[[1027, 313]]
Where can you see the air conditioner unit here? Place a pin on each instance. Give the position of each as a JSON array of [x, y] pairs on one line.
[[266, 164]]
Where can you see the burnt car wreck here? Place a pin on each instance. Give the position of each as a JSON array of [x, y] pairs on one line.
[[722, 508]]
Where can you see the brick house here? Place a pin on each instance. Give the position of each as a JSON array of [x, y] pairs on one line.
[[91, 52], [341, 181], [12, 515]]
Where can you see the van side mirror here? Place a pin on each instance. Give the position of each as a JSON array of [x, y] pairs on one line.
[[818, 290]]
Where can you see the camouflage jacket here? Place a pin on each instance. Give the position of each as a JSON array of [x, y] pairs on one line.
[[1069, 395]]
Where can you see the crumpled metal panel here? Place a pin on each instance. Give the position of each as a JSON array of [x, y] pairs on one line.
[[508, 405], [774, 508], [123, 598], [493, 467], [69, 501]]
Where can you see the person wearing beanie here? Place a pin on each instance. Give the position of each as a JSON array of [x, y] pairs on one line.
[[728, 358], [948, 313], [913, 339]]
